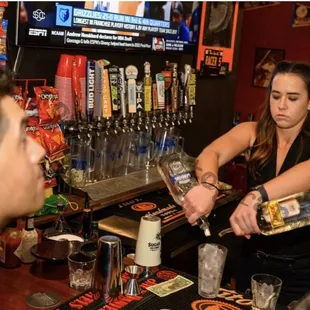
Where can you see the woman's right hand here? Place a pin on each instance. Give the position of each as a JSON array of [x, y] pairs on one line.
[[199, 201]]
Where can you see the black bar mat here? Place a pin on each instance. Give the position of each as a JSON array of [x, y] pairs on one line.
[[185, 299]]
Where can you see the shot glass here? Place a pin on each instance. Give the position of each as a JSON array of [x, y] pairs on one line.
[[211, 262], [81, 270], [265, 290]]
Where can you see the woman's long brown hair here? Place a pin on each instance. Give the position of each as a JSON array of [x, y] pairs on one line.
[[266, 126]]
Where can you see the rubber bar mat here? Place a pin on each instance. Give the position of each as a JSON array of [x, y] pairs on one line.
[[185, 299]]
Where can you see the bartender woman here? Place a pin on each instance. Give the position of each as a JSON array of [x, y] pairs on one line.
[[277, 142]]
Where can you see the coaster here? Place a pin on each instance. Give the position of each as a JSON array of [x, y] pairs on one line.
[[207, 304], [43, 300]]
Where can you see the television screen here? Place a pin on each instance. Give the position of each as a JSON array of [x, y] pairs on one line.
[[131, 25]]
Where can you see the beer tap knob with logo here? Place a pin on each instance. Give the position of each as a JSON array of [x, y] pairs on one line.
[[122, 90], [188, 69], [147, 95], [174, 92], [180, 101], [90, 90], [155, 105], [140, 104], [131, 75], [192, 94], [160, 93], [114, 89]]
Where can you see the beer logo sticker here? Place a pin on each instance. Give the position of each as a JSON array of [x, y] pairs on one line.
[[144, 206]]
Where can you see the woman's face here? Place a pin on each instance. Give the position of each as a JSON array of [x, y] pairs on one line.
[[289, 100]]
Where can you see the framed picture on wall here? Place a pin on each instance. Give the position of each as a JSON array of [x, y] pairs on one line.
[[218, 25], [265, 61]]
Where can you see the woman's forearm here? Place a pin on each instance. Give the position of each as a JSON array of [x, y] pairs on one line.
[[206, 167], [294, 180]]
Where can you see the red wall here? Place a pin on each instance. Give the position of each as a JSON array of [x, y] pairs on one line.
[[268, 27]]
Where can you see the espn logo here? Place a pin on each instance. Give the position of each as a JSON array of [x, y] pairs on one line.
[[37, 32]]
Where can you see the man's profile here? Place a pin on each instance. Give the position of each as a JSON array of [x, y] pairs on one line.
[[21, 178]]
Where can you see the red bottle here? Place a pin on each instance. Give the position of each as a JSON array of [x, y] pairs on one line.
[[10, 240]]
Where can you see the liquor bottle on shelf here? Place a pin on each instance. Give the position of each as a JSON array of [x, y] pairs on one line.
[[61, 224], [29, 239], [94, 231], [278, 216], [87, 218], [179, 176]]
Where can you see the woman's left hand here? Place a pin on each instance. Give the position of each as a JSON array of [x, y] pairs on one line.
[[243, 220]]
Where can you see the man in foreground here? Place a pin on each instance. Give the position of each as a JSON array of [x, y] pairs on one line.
[[21, 178]]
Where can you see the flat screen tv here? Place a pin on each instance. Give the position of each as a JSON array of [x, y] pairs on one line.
[[169, 26]]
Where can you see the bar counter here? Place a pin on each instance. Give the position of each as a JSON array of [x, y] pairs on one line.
[[17, 284]]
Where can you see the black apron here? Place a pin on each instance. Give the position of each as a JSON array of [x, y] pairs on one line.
[[286, 255]]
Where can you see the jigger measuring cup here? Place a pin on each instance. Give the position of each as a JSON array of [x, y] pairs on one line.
[[132, 286]]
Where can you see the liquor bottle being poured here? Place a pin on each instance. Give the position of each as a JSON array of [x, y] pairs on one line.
[[178, 174]]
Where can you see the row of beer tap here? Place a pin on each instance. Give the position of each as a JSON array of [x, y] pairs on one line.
[[117, 101]]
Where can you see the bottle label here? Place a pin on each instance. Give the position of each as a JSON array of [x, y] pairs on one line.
[[2, 251], [182, 178], [30, 223], [276, 212]]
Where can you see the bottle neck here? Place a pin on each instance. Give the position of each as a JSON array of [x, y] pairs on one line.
[[29, 223]]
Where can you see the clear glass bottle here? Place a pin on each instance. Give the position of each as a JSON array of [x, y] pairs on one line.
[[61, 225], [278, 216], [87, 219], [178, 173]]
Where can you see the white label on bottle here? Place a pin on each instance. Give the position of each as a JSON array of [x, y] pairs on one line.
[[18, 251], [2, 251], [288, 208], [30, 238]]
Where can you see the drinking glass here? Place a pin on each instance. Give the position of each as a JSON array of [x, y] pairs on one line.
[[167, 140], [105, 155], [81, 270], [211, 262], [265, 290], [141, 150], [83, 162]]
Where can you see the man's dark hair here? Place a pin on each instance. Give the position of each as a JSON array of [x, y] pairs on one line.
[[6, 89]]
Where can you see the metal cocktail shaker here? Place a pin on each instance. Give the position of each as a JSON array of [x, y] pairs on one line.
[[109, 266]]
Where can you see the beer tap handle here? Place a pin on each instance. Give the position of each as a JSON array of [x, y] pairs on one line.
[[122, 89], [160, 83], [147, 87], [188, 69], [191, 114], [131, 75], [114, 89]]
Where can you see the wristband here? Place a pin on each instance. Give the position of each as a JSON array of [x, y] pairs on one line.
[[261, 189], [214, 186]]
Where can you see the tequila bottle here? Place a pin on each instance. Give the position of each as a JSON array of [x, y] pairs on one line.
[[178, 173], [278, 216]]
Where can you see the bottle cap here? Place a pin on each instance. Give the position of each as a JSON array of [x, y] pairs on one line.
[[60, 206]]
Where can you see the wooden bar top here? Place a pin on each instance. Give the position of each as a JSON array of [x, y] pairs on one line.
[[17, 284]]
